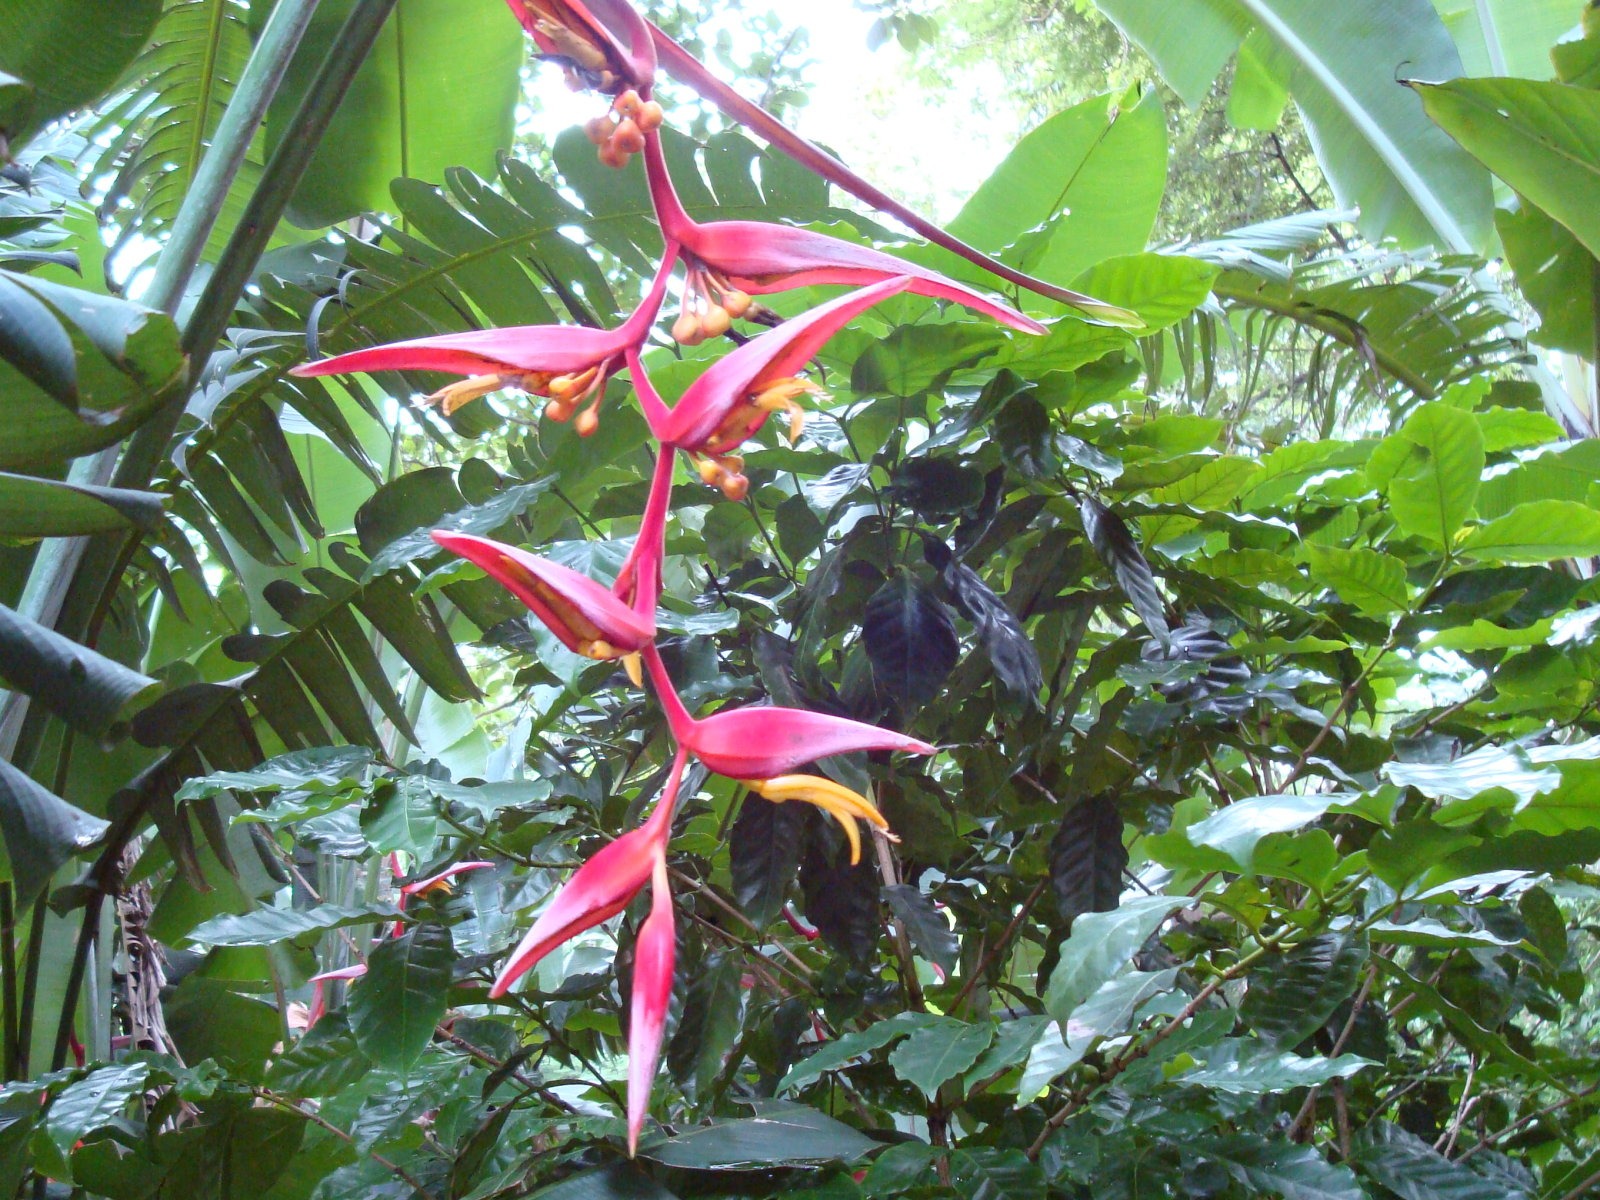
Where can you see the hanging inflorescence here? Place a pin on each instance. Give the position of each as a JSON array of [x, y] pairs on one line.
[[607, 47]]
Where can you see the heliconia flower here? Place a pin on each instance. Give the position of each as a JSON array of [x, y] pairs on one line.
[[599, 889], [319, 1002], [587, 617], [738, 392], [605, 44], [729, 261], [569, 364], [762, 746], [654, 953], [688, 69]]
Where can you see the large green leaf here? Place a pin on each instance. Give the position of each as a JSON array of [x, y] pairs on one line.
[[1272, 1168], [438, 90], [780, 1135], [1101, 945], [1555, 274], [1430, 470], [266, 926], [397, 1004], [1375, 145], [1372, 581], [1537, 532], [1507, 37], [1237, 829], [70, 51], [1293, 994], [1089, 180], [1412, 1169], [940, 1052], [1541, 138]]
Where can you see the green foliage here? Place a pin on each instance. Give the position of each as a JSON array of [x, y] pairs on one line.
[[1258, 855]]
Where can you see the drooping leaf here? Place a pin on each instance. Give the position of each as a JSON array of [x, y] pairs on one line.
[[42, 831], [763, 855], [1087, 858], [31, 507], [708, 1028], [910, 640], [839, 1052], [1113, 541], [1011, 652]]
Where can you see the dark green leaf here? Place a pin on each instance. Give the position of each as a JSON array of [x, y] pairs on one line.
[[782, 1135], [1414, 1170], [268, 926], [933, 1055], [929, 931], [94, 694], [1113, 541], [1291, 996], [763, 855], [323, 1062], [397, 1004], [708, 1028], [42, 831], [1087, 858], [910, 640]]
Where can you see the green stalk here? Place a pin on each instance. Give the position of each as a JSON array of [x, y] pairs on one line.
[[202, 204], [8, 978]]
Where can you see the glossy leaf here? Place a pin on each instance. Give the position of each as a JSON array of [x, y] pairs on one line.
[[395, 1007]]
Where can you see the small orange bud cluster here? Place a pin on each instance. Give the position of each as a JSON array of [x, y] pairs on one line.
[[710, 306], [620, 133], [725, 472], [566, 392]]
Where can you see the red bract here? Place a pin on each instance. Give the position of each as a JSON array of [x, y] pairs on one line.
[[437, 882], [741, 390], [319, 1002], [728, 259], [688, 69], [599, 890], [605, 43], [587, 617], [567, 363], [654, 952], [762, 742]]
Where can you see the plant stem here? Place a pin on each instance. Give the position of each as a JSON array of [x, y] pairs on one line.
[[8, 977], [202, 204]]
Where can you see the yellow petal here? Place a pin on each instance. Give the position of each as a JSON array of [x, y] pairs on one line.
[[838, 801]]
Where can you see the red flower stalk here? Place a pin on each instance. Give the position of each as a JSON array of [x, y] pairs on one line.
[[688, 69], [729, 261], [600, 889], [589, 618], [437, 882], [763, 745], [654, 952], [738, 392], [569, 364]]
